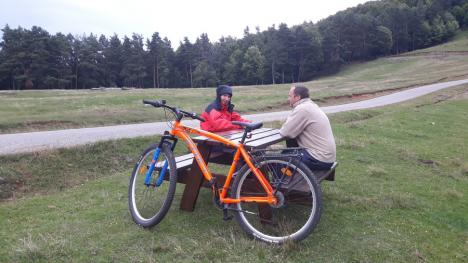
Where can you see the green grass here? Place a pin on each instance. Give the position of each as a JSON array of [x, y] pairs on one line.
[[400, 196], [48, 110]]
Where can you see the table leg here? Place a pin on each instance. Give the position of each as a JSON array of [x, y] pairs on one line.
[[194, 182]]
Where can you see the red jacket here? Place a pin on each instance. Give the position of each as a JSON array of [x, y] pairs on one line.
[[219, 118]]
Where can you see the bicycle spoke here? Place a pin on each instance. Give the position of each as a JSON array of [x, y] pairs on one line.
[[297, 209]]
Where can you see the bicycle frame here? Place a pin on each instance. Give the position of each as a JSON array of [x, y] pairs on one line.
[[181, 131]]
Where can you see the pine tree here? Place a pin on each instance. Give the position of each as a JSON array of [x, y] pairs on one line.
[[253, 66], [113, 61], [133, 70], [185, 59]]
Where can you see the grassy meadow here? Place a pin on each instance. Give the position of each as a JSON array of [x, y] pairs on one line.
[[399, 196], [49, 110]]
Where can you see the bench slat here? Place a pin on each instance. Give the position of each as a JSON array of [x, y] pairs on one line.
[[184, 157], [182, 162], [255, 133], [271, 140], [266, 136], [233, 135]]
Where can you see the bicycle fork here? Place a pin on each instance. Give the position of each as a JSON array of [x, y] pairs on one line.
[[156, 154]]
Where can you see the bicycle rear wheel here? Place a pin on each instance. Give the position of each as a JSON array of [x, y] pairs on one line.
[[150, 194], [299, 201]]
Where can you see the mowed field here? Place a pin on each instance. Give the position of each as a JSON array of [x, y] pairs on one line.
[[399, 196], [49, 110]]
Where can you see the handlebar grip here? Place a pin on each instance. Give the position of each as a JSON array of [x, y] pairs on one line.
[[154, 103], [177, 111], [199, 118], [193, 115]]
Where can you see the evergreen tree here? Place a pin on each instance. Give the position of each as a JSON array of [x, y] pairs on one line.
[[232, 69], [26, 55], [113, 61], [8, 65], [169, 74], [381, 42], [185, 59], [222, 51], [331, 45], [90, 63], [160, 54], [283, 57], [74, 58], [59, 75], [204, 75], [306, 53], [203, 49], [253, 66], [157, 59], [272, 51], [133, 54], [104, 46]]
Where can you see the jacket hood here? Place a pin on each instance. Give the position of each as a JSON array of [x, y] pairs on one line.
[[222, 90]]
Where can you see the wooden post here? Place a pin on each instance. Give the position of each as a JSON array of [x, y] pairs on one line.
[[194, 181]]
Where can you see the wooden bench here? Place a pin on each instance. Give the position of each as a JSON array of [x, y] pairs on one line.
[[183, 165], [328, 175]]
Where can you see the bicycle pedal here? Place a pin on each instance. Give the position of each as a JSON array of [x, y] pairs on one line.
[[212, 182], [217, 203], [228, 218], [216, 198]]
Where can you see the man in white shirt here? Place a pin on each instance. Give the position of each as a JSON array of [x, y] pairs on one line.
[[311, 129]]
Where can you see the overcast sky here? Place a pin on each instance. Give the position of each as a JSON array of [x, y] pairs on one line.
[[173, 19]]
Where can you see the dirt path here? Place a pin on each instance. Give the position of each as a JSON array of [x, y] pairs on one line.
[[37, 141]]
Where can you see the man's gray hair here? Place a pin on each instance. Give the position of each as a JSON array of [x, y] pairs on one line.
[[301, 91]]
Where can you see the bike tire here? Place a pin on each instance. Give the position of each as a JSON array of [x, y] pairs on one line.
[[149, 204], [299, 195]]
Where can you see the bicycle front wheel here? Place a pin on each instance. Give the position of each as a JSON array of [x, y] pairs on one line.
[[151, 189], [297, 211]]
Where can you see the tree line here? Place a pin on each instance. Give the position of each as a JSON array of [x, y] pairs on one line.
[[35, 59]]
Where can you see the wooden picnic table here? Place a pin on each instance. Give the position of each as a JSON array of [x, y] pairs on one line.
[[215, 152]]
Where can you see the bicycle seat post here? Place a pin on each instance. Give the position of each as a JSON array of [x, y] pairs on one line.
[[244, 136], [248, 127]]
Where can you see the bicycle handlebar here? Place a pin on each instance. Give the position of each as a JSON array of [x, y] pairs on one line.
[[179, 113], [154, 103], [193, 115]]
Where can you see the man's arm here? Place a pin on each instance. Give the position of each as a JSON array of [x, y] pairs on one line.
[[294, 125]]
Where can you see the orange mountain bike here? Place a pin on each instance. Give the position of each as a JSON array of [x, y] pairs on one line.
[[274, 196]]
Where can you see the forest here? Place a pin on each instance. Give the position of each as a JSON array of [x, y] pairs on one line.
[[35, 59]]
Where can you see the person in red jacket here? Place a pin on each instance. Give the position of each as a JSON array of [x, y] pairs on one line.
[[220, 113]]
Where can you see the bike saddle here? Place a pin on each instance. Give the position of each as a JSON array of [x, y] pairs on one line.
[[249, 126]]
